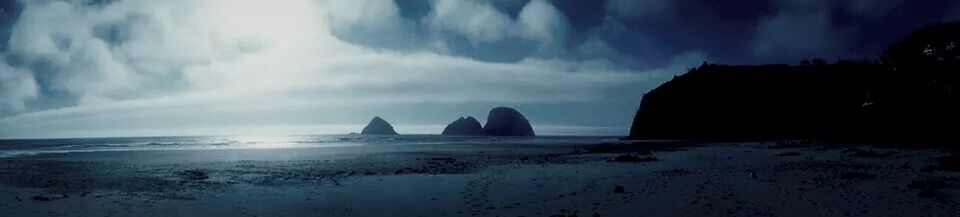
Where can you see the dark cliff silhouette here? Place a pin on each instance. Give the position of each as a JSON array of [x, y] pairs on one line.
[[464, 127], [504, 121], [908, 94], [378, 126]]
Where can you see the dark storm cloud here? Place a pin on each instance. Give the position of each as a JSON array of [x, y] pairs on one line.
[[9, 11], [643, 34]]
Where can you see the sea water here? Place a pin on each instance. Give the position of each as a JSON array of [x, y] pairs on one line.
[[24, 147]]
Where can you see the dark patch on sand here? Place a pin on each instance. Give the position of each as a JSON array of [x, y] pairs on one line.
[[791, 144], [193, 174], [856, 176], [860, 153], [930, 187], [633, 158], [788, 154], [637, 147], [948, 163]]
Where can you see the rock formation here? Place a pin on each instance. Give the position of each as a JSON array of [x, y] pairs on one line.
[[907, 96], [755, 102], [464, 127], [503, 121], [378, 126]]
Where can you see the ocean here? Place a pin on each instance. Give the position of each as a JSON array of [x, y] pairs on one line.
[[26, 147]]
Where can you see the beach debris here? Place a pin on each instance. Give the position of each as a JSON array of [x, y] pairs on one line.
[[49, 197], [193, 174], [619, 189], [789, 144], [633, 158], [788, 154], [444, 159], [567, 213], [927, 184], [855, 152], [927, 194], [409, 170], [856, 176], [928, 187], [948, 163], [40, 198], [636, 147]]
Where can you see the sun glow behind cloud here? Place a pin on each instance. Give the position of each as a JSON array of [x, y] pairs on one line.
[[279, 23]]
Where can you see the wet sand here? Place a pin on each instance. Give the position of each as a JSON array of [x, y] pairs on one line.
[[678, 179]]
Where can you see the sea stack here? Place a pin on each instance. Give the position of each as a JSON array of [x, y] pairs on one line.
[[504, 121], [378, 126], [464, 127]]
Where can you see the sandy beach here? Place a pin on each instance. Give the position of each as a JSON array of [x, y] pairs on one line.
[[664, 179]]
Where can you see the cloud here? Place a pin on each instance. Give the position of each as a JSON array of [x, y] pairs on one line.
[[478, 21], [65, 52], [869, 9], [872, 8], [486, 31], [475, 29], [612, 40], [16, 87], [349, 91], [952, 14], [481, 22], [540, 21], [179, 64], [595, 46], [132, 49], [801, 6], [800, 29], [633, 9], [374, 23]]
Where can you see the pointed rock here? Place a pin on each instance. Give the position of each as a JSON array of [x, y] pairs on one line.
[[378, 126], [504, 121], [464, 127]]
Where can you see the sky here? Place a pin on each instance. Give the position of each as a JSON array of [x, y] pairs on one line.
[[103, 68]]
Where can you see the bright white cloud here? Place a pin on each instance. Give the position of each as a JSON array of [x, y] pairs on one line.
[[122, 50], [541, 21]]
